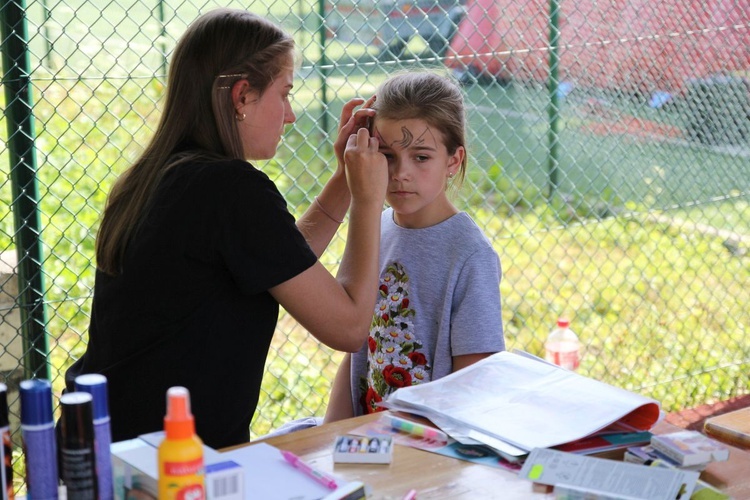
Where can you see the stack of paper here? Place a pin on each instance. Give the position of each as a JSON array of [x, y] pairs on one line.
[[515, 403]]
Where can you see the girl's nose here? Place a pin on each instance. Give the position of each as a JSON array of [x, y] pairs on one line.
[[397, 170]]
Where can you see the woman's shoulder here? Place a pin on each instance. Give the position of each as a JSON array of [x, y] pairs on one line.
[[224, 177], [211, 170]]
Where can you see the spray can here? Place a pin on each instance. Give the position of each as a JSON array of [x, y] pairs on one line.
[[38, 432], [96, 385], [77, 449], [6, 447], [180, 455]]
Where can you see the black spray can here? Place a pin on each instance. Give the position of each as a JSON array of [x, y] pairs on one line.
[[77, 446]]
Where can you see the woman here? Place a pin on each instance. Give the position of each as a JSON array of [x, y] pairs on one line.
[[197, 249]]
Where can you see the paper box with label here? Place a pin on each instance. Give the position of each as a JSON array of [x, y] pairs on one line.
[[135, 467]]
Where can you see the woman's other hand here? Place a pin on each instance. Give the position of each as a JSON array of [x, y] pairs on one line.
[[366, 168], [350, 122]]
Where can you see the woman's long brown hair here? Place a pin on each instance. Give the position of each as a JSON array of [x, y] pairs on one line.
[[220, 48]]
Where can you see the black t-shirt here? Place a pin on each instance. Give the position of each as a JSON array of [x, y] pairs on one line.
[[191, 306]]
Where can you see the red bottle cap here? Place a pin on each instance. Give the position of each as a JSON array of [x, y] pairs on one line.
[[179, 422], [563, 322]]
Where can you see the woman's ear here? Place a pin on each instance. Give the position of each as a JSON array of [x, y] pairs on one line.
[[240, 91]]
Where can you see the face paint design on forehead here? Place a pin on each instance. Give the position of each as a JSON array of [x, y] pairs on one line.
[[408, 138]]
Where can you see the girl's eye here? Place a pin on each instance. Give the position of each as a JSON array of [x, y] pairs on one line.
[[422, 158]]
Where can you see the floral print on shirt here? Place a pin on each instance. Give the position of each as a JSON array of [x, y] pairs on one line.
[[394, 356]]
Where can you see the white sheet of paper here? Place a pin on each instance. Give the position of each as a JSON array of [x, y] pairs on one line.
[[269, 476]]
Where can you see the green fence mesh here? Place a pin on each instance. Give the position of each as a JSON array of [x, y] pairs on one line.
[[614, 184]]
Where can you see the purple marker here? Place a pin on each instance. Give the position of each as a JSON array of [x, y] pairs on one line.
[[96, 385], [38, 431]]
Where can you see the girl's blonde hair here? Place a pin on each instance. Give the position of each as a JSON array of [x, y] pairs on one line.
[[435, 98], [198, 122]]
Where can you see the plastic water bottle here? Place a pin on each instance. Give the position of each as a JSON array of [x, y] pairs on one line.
[[562, 346]]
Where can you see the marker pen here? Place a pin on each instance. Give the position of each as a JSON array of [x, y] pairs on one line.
[[343, 444], [6, 447], [385, 444], [38, 431], [319, 476], [416, 429], [96, 385], [77, 448], [363, 445], [374, 445], [353, 446]]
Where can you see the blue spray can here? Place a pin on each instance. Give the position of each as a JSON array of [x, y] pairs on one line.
[[96, 385], [38, 432]]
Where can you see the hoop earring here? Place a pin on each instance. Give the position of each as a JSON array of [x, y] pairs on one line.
[[239, 117]]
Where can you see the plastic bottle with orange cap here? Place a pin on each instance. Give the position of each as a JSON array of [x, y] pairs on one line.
[[181, 468]]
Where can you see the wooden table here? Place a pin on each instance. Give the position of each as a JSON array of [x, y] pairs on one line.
[[433, 476], [436, 476]]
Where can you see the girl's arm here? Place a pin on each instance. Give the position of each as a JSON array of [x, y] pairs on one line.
[[468, 359], [476, 313], [340, 403]]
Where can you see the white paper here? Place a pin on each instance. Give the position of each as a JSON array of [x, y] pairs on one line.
[[270, 477], [520, 401]]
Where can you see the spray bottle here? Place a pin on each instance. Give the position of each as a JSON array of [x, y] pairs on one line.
[[181, 470]]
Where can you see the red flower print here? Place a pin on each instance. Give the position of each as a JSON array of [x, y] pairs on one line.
[[405, 303], [371, 344], [417, 358], [396, 376], [371, 398], [384, 289], [385, 317]]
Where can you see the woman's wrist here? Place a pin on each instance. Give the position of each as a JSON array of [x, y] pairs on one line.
[[326, 212]]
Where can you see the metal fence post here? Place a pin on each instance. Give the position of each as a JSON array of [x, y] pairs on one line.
[[21, 150], [552, 88], [323, 65]]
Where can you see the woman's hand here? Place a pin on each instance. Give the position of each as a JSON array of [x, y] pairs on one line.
[[366, 168], [349, 123]]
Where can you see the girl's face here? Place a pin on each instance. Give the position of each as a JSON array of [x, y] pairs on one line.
[[266, 117], [419, 167]]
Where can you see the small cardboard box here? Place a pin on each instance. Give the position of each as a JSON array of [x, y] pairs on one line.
[[135, 467], [350, 449]]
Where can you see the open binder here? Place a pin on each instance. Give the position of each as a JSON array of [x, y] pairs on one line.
[[515, 403]]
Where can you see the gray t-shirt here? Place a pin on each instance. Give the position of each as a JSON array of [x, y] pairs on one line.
[[439, 297]]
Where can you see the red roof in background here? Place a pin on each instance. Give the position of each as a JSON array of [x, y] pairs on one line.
[[644, 45]]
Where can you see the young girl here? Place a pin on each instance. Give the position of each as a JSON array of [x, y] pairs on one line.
[[438, 306]]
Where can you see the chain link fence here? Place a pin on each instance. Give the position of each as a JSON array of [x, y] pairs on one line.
[[609, 164]]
